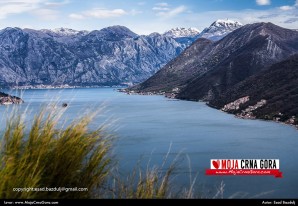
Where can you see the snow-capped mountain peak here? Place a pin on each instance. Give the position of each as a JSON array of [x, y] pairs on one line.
[[64, 31], [226, 23], [219, 29], [182, 32]]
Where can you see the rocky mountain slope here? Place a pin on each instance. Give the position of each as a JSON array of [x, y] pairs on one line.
[[252, 72], [182, 32], [277, 85], [242, 54], [183, 35], [111, 56], [178, 71], [207, 69]]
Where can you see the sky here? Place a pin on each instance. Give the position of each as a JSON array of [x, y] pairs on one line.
[[143, 16]]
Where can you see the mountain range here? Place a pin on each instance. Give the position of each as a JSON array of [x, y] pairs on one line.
[[216, 31], [216, 72], [110, 56]]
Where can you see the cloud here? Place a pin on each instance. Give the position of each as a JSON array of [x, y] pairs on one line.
[[56, 4], [291, 20], [172, 12], [160, 9], [41, 8], [8, 7], [268, 16], [286, 8], [102, 13], [163, 4], [164, 10], [263, 2], [19, 1]]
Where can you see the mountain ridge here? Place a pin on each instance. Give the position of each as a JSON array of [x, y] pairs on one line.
[[252, 72], [268, 44], [106, 57], [251, 44], [219, 29], [110, 56], [182, 32]]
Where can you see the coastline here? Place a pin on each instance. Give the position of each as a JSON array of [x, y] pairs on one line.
[[6, 99], [60, 87], [173, 96], [265, 120]]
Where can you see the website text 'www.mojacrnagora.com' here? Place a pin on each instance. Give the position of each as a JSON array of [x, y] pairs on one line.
[[30, 202], [50, 189]]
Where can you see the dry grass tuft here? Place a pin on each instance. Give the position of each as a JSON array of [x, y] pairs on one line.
[[50, 157]]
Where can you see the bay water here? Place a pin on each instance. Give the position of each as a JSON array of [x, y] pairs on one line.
[[147, 128]]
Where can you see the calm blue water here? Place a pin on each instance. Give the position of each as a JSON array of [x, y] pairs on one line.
[[146, 127]]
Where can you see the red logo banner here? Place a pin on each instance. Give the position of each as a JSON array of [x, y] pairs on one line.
[[244, 172]]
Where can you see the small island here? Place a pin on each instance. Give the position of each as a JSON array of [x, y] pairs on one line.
[[6, 99]]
